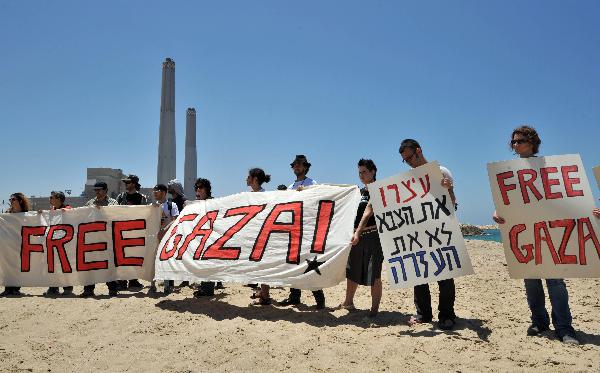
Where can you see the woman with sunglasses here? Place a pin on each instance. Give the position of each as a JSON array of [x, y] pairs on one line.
[[18, 203], [525, 142]]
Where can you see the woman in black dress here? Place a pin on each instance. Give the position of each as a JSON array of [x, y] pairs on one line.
[[366, 257]]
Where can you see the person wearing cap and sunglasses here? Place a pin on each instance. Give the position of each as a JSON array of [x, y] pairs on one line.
[[131, 197], [18, 203], [412, 154], [301, 166], [101, 200], [57, 201], [525, 142]]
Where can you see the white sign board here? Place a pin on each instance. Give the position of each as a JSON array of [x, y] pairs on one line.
[[547, 204], [419, 233]]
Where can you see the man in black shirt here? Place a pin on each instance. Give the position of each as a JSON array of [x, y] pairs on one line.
[[131, 197]]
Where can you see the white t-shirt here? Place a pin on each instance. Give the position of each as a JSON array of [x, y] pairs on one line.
[[302, 183], [166, 213]]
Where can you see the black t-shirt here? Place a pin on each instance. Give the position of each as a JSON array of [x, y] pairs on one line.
[[364, 201], [135, 199], [179, 201]]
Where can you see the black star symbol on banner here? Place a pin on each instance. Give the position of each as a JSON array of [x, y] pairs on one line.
[[313, 265]]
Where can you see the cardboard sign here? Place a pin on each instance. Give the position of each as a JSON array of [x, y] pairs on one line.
[[419, 233], [547, 203]]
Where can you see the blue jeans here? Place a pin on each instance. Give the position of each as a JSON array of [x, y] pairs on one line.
[[559, 299]]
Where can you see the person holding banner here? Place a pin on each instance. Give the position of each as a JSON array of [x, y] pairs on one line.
[[169, 212], [101, 199], [256, 178], [57, 201], [203, 190], [366, 257], [18, 203], [412, 154], [525, 142], [300, 166]]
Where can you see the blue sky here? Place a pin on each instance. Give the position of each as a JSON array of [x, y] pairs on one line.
[[335, 80]]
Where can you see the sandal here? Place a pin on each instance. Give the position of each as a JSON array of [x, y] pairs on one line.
[[349, 307], [261, 302]]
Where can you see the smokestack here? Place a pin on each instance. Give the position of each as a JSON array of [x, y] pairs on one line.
[[166, 141], [191, 166]]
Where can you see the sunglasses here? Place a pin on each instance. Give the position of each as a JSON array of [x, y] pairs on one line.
[[519, 142], [12, 199]]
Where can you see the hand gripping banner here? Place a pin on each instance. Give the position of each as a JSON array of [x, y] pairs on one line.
[[80, 246], [290, 238]]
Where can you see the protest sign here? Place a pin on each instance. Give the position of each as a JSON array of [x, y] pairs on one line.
[[285, 238], [547, 204], [419, 233], [80, 246]]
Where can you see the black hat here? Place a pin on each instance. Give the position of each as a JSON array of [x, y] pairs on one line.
[[161, 187], [101, 185], [300, 158]]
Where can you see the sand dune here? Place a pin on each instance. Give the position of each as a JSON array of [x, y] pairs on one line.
[[178, 333]]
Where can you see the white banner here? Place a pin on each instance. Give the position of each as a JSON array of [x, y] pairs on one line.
[[419, 233], [81, 246], [547, 203], [282, 238]]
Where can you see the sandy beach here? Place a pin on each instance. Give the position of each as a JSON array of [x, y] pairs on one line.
[[178, 333]]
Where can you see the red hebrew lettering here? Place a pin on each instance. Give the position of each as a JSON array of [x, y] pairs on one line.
[[294, 230], [198, 231], [537, 228], [59, 244], [395, 187], [217, 249], [569, 226], [514, 244], [382, 196], [524, 184], [500, 178], [569, 182], [413, 193], [547, 182], [83, 247], [27, 247], [120, 243], [324, 217], [425, 188], [581, 222], [167, 254]]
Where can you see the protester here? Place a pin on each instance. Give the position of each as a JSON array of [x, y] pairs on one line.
[[18, 203], [300, 166], [101, 200], [525, 142], [131, 197], [366, 258], [176, 190], [169, 212], [203, 190], [256, 178], [412, 154], [57, 201]]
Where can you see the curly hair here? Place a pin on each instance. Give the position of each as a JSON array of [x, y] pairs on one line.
[[530, 134], [204, 183], [23, 202]]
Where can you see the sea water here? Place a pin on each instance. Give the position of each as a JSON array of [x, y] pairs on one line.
[[490, 235]]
